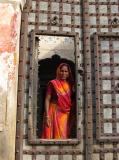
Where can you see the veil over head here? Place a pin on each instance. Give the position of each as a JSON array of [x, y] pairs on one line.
[[70, 78]]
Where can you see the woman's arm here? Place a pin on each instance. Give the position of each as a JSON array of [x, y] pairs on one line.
[[47, 103]]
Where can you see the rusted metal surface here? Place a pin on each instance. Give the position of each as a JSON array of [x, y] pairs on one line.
[[101, 77], [27, 6], [97, 17], [21, 88], [49, 151], [88, 86], [100, 11]]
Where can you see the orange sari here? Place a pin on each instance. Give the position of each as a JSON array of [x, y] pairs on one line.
[[59, 113], [61, 122]]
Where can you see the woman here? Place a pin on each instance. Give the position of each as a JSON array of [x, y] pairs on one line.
[[57, 122]]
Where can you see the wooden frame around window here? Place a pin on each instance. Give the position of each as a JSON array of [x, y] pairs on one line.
[[33, 79]]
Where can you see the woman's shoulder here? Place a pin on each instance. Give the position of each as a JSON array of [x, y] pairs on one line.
[[53, 80]]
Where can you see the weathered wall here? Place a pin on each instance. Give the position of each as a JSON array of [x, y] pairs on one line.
[[10, 17], [98, 17]]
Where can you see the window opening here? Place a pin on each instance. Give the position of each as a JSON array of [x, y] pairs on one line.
[[46, 72]]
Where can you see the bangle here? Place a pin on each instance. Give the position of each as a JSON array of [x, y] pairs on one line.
[[47, 116]]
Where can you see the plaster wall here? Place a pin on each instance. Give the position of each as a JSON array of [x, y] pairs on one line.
[[10, 17], [18, 2]]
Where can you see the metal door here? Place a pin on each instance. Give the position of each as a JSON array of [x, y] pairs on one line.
[[97, 73]]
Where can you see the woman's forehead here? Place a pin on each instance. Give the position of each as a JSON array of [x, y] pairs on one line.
[[64, 67]]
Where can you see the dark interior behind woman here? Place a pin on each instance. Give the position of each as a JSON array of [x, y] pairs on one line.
[[57, 121]]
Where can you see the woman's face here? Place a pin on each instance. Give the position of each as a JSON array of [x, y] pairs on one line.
[[64, 72]]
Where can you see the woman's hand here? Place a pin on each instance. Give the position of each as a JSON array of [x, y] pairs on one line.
[[47, 118], [47, 121]]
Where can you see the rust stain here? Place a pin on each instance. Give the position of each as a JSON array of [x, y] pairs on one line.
[[8, 39], [15, 58], [8, 29], [8, 64]]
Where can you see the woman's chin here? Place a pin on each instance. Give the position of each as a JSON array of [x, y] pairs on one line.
[[63, 79]]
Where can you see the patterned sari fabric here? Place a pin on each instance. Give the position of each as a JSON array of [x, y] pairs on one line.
[[61, 122]]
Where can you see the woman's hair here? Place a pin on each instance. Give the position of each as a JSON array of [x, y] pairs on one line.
[[64, 65]]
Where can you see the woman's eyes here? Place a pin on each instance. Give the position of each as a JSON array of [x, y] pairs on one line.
[[63, 71]]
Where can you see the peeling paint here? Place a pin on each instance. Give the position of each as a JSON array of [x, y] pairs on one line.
[[9, 53], [8, 29], [8, 43], [7, 68]]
